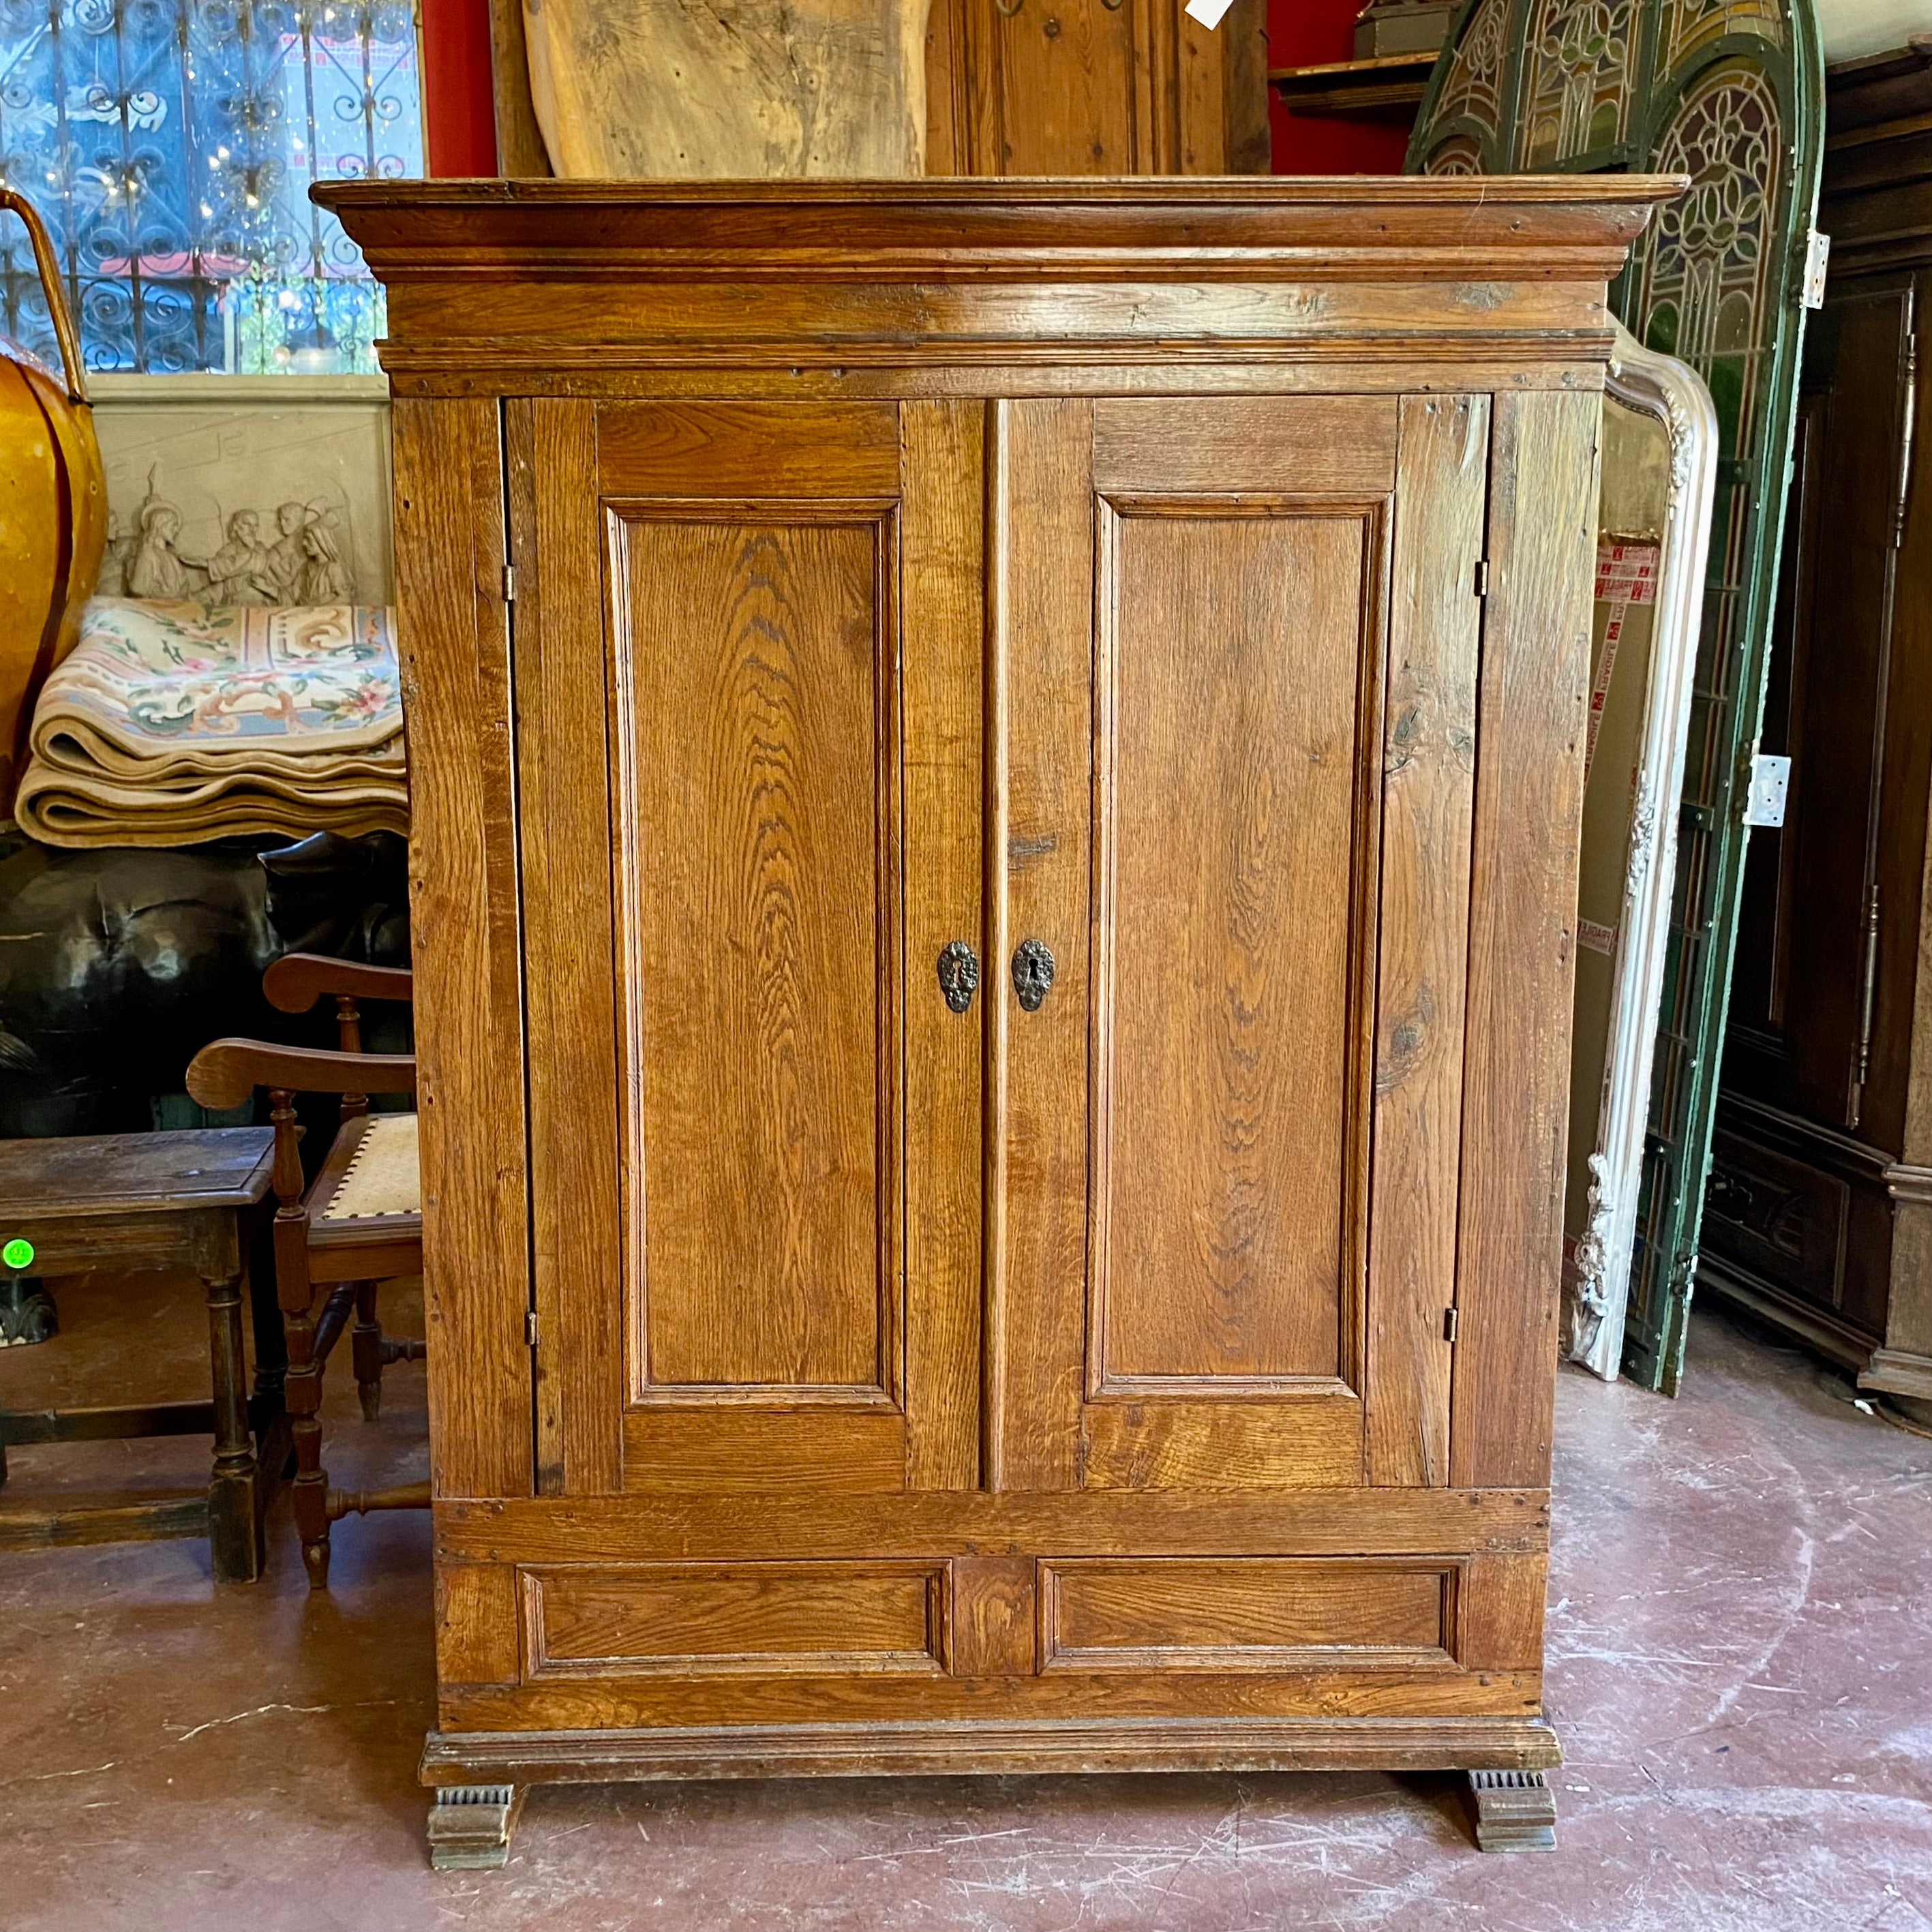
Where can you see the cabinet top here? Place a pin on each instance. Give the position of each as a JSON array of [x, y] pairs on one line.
[[1212, 228], [527, 286]]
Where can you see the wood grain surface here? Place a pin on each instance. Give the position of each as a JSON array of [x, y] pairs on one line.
[[1092, 563], [565, 815], [996, 1745], [453, 643], [742, 1619], [943, 546], [754, 672], [1429, 783], [1522, 916], [1240, 1613], [1041, 583], [1224, 835], [624, 89]]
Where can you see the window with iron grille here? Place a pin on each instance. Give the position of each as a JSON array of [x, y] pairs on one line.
[[169, 144]]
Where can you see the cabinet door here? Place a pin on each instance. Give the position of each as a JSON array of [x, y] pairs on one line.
[[1235, 669], [748, 823]]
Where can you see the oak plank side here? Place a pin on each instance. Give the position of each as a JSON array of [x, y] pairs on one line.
[[1428, 792], [455, 651], [1522, 917], [1336, 1520]]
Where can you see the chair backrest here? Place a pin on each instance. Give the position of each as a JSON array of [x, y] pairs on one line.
[[293, 983], [226, 1071]]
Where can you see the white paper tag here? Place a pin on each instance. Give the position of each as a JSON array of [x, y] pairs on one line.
[[1209, 13]]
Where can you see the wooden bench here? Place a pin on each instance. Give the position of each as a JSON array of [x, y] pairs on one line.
[[131, 1202]]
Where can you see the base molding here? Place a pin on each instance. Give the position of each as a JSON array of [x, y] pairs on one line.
[[990, 1746], [1836, 1340], [1895, 1372]]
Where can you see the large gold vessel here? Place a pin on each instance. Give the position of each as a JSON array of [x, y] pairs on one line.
[[53, 509]]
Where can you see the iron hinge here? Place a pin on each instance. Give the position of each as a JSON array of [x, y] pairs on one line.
[[509, 583], [530, 1328], [1817, 263], [1769, 788], [1482, 576], [1448, 1324]]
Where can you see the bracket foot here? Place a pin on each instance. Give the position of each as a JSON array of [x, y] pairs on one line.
[[1513, 1810], [470, 1826]]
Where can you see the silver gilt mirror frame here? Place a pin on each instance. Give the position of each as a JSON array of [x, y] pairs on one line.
[[1677, 504]]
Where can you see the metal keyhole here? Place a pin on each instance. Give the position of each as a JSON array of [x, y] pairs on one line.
[[958, 974], [1033, 972]]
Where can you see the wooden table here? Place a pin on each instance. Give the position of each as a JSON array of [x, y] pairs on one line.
[[128, 1203]]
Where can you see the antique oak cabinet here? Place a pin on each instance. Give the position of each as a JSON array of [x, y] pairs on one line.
[[996, 769]]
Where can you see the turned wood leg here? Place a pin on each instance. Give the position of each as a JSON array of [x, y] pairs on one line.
[[1514, 1811], [235, 1540], [271, 1348], [470, 1826], [365, 1343], [310, 1496]]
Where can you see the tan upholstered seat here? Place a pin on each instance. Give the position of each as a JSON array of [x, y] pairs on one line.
[[381, 1177]]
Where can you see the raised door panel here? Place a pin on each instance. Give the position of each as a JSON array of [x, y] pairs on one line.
[[731, 1291], [1230, 694], [754, 793], [1201, 791]]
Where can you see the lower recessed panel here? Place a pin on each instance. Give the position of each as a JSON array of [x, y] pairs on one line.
[[1244, 1613], [754, 1619]]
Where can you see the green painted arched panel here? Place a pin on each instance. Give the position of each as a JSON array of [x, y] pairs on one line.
[[1730, 92]]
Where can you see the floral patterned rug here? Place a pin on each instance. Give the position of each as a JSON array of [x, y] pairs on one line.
[[170, 723]]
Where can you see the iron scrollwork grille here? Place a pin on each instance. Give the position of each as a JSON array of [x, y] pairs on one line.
[[170, 145]]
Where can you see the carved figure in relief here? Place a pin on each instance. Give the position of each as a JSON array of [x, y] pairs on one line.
[[118, 554], [285, 556], [157, 570], [238, 573], [323, 580], [305, 565]]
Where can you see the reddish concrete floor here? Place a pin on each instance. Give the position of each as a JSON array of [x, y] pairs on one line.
[[1739, 1668]]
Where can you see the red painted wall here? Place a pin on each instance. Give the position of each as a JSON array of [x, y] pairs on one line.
[[456, 103], [1304, 33], [462, 124]]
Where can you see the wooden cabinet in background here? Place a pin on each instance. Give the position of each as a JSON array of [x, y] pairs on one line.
[[1819, 1211], [1037, 87], [996, 773], [1085, 87]]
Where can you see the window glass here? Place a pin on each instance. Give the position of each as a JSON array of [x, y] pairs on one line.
[[169, 146]]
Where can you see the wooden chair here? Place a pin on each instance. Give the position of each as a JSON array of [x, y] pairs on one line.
[[357, 1225]]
